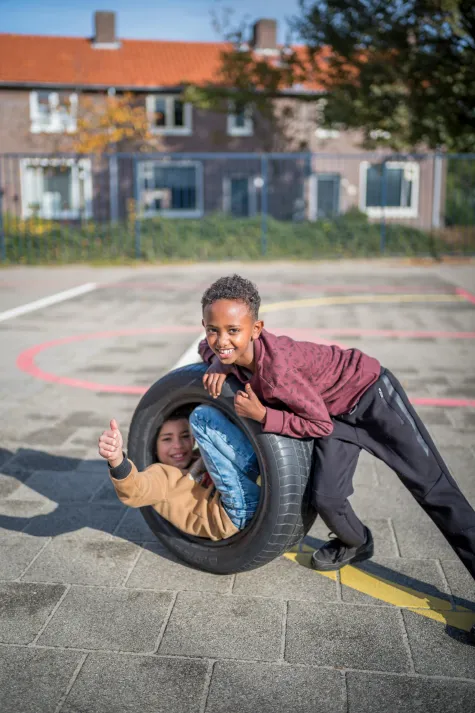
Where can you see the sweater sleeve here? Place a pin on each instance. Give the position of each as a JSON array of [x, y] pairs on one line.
[[308, 417], [138, 489], [205, 352]]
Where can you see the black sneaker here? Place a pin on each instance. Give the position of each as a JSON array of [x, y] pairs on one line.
[[335, 554]]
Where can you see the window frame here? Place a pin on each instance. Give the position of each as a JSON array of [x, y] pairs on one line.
[[169, 129], [37, 125], [197, 212], [252, 194], [411, 211], [232, 129], [313, 196], [83, 164]]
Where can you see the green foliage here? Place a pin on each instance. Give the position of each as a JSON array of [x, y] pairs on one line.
[[405, 70], [219, 237], [460, 191]]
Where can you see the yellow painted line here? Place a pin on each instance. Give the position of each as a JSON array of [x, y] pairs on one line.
[[391, 593], [358, 299]]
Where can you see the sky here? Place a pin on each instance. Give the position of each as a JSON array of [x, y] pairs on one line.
[[142, 19]]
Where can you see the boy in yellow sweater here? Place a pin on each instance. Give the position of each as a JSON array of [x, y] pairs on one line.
[[177, 485]]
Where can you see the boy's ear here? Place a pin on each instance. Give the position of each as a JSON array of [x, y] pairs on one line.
[[202, 323], [257, 328]]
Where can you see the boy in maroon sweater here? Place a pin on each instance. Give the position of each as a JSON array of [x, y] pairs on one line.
[[343, 399]]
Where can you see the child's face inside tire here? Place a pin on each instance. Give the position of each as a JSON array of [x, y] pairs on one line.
[[175, 443]]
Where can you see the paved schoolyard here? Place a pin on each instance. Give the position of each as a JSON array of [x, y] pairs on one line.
[[95, 617]]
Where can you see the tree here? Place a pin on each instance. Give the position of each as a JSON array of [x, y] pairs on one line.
[[111, 124], [402, 71], [261, 84]]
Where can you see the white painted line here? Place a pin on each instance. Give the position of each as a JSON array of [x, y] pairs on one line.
[[47, 301], [191, 355]]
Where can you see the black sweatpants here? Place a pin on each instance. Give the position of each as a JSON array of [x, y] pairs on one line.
[[386, 425]]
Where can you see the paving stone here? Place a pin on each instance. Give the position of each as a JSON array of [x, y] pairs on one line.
[[16, 553], [370, 693], [423, 578], [106, 618], [455, 656], [83, 561], [343, 635], [34, 680], [133, 527], [224, 627], [461, 584], [80, 520], [29, 459], [16, 515], [24, 608], [294, 582], [272, 688], [384, 501], [9, 484], [159, 569], [106, 493], [116, 684], [57, 486], [421, 540]]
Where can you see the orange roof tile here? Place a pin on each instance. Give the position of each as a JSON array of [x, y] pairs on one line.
[[34, 59], [75, 62]]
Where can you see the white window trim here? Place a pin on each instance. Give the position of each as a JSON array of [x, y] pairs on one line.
[[37, 125], [175, 213], [246, 130], [83, 164], [313, 195], [411, 211], [170, 130], [252, 192]]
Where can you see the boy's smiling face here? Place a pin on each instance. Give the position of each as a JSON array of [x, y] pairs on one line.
[[230, 328]]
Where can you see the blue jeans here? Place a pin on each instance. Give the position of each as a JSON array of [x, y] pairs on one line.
[[230, 461]]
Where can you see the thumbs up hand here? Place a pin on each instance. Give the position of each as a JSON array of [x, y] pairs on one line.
[[247, 405], [111, 444]]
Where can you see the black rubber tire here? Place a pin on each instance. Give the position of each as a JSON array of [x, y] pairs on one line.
[[284, 514]]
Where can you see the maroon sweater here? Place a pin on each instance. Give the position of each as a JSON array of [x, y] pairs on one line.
[[302, 384]]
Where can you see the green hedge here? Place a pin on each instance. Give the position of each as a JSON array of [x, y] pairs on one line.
[[218, 237]]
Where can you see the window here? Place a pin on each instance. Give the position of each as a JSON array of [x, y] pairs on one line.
[[56, 188], [239, 120], [169, 115], [390, 189], [324, 195], [53, 112], [171, 189], [239, 196]]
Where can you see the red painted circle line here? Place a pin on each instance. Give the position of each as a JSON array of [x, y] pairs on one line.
[[26, 360]]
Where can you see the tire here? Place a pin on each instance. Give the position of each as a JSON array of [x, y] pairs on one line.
[[284, 514]]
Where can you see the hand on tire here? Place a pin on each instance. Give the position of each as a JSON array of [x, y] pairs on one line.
[[111, 444], [215, 377]]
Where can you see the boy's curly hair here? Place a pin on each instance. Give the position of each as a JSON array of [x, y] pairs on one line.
[[233, 287]]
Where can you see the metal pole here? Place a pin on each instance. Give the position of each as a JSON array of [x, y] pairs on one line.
[[382, 245], [437, 191], [264, 204], [113, 189], [136, 210], [3, 250]]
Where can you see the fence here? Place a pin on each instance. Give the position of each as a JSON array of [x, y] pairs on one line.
[[63, 208]]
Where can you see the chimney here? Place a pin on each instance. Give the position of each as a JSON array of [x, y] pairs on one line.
[[265, 36], [104, 31]]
